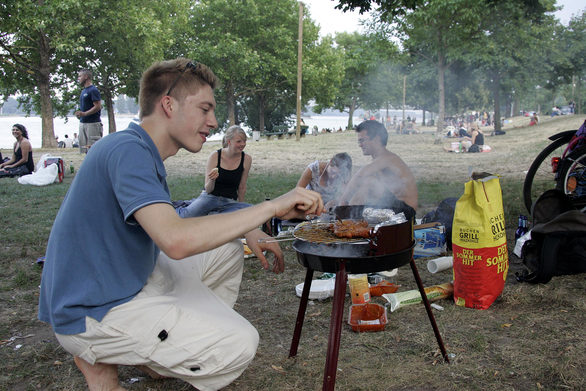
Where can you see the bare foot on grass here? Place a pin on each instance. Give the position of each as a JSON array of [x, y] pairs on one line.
[[99, 377]]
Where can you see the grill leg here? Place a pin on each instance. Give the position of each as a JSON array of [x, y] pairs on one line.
[[335, 329], [440, 342], [301, 312]]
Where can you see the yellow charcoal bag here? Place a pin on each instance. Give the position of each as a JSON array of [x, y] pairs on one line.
[[479, 243]]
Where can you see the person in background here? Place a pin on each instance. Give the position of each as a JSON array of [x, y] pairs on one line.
[[534, 119], [555, 111], [21, 162], [75, 141], [129, 282], [384, 180], [328, 178], [225, 186], [462, 132], [89, 113], [68, 142], [475, 142], [225, 181]]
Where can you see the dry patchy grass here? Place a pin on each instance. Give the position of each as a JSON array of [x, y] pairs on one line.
[[530, 339]]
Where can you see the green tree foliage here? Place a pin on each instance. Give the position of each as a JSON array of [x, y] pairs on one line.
[[35, 36], [384, 85], [568, 62], [393, 8], [452, 33], [323, 71], [362, 56], [389, 8], [454, 52], [116, 64], [512, 67], [441, 32], [252, 47], [421, 85], [45, 42]]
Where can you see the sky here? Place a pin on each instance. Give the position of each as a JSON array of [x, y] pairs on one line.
[[332, 20]]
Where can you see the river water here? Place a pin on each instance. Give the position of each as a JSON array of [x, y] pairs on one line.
[[61, 126], [71, 125]]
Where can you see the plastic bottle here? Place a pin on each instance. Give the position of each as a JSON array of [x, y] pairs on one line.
[[522, 227], [71, 168], [526, 223]]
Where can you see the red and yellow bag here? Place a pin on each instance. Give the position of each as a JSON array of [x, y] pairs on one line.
[[479, 243]]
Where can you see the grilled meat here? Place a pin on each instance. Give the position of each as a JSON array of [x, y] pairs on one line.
[[351, 229]]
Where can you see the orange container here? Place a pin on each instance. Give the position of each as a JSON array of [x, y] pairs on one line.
[[383, 287], [367, 317]]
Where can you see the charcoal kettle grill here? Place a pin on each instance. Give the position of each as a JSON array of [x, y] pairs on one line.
[[389, 247]]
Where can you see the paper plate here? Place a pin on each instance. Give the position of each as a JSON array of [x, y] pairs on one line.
[[320, 289]]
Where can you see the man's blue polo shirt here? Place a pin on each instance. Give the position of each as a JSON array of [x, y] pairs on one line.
[[98, 257]]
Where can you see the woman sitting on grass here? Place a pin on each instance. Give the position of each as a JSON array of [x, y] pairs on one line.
[[21, 162], [328, 178], [226, 175], [476, 139]]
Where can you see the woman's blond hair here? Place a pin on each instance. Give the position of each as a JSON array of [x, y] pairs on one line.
[[231, 132]]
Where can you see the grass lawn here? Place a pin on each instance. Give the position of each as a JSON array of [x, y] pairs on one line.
[[529, 339]]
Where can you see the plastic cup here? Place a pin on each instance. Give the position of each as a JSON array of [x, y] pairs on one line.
[[439, 264]]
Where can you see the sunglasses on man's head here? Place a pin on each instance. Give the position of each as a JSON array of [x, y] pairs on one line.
[[190, 65]]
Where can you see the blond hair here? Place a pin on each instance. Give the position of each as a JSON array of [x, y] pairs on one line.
[[231, 132]]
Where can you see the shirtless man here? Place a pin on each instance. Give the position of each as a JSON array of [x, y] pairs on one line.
[[385, 179], [130, 282]]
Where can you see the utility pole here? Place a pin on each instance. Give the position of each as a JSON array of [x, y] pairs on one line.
[[299, 71]]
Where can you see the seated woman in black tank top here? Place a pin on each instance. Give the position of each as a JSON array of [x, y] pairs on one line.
[[225, 186], [225, 181], [21, 162], [474, 143], [477, 139]]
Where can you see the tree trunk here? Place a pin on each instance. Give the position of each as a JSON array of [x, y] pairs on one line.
[[423, 117], [516, 105], [497, 101], [43, 78], [230, 103], [261, 112], [110, 108], [441, 68], [351, 111], [578, 108]]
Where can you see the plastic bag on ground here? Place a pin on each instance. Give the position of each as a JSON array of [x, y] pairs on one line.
[[42, 177]]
